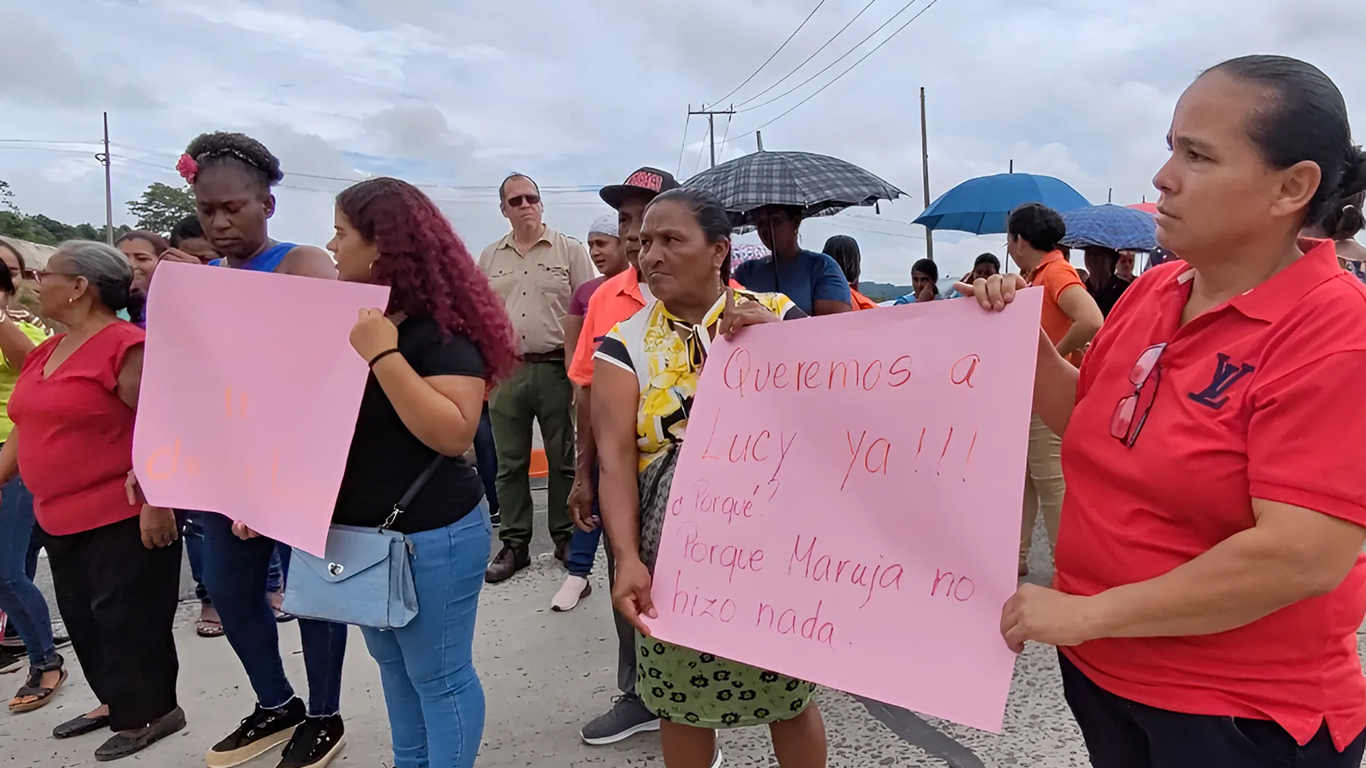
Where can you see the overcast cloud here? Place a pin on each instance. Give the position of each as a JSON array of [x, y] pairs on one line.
[[458, 94]]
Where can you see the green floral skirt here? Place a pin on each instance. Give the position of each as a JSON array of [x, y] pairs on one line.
[[693, 688]]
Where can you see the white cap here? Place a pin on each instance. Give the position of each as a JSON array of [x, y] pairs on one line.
[[604, 225]]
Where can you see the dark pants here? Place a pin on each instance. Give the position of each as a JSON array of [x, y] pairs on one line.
[[118, 600], [235, 573], [193, 530], [486, 456], [626, 634], [538, 390], [1123, 734]]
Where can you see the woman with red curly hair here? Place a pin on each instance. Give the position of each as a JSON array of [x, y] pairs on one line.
[[443, 338]]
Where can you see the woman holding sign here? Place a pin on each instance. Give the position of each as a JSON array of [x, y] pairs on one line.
[[443, 337], [232, 176], [644, 380], [1210, 579]]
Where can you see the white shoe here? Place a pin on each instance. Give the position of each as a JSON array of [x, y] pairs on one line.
[[717, 762], [575, 589]]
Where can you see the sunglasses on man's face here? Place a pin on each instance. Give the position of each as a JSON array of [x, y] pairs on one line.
[[519, 200]]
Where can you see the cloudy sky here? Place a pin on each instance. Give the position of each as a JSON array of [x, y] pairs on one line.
[[457, 94]]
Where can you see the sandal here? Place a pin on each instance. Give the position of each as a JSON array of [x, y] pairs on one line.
[[33, 687], [208, 628]]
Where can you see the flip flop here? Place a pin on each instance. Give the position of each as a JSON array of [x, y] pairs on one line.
[[33, 687], [208, 628]]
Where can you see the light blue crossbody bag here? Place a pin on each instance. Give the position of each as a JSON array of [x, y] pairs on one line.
[[364, 577]]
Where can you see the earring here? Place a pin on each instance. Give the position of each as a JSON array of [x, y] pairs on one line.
[[71, 300]]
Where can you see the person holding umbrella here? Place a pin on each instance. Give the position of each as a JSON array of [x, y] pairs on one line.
[[812, 280]]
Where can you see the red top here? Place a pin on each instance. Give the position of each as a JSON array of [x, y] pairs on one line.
[[75, 434], [1255, 399]]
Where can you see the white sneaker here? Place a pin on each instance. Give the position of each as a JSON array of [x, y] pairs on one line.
[[575, 589], [717, 762]]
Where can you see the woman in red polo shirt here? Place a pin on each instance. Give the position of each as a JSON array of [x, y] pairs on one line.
[[115, 562], [1210, 580]]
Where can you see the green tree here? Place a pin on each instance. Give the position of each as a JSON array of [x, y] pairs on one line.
[[7, 197], [162, 207], [44, 229]]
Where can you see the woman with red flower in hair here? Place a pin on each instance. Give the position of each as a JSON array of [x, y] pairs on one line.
[[442, 340]]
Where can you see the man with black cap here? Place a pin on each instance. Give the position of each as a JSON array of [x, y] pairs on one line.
[[615, 301]]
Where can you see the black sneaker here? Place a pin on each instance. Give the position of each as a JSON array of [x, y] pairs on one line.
[[257, 735], [496, 518], [627, 717], [317, 741]]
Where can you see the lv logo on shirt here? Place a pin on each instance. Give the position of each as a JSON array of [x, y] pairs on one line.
[[1226, 374]]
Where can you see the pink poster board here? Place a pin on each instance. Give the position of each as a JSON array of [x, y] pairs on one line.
[[250, 390], [847, 504]]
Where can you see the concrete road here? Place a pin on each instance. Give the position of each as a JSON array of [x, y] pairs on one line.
[[544, 674]]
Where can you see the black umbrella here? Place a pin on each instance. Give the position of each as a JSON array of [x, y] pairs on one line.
[[818, 184]]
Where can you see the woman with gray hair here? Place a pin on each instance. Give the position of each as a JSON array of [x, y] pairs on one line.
[[115, 560]]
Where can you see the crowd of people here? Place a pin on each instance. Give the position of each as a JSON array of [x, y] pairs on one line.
[[1228, 539]]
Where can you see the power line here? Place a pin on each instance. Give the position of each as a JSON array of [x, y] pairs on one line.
[[727, 133], [818, 91], [831, 65], [711, 131], [547, 189], [45, 141], [771, 57], [686, 125], [809, 58]]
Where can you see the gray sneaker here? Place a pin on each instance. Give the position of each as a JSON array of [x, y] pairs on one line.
[[627, 717]]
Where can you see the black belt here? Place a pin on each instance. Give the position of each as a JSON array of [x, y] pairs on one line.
[[553, 356]]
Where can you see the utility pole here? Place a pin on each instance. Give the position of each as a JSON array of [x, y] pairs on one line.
[[711, 124], [759, 137], [108, 187], [925, 173]]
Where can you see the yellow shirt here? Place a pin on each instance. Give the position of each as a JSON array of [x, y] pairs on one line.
[[9, 374]]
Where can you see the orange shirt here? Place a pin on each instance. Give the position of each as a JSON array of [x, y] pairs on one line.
[[615, 301], [861, 301], [1056, 275], [1255, 399]]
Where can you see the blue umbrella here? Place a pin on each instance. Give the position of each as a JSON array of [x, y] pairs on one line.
[[1110, 226], [981, 205]]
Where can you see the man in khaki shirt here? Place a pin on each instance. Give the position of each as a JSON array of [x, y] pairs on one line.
[[536, 270]]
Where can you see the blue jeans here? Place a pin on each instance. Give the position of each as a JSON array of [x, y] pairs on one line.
[[486, 456], [432, 692], [21, 601], [235, 574], [583, 548], [192, 530]]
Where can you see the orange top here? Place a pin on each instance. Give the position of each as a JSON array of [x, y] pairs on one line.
[[1255, 399], [1056, 275], [861, 301], [615, 301]]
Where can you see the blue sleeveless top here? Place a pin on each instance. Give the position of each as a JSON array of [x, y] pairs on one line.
[[266, 261]]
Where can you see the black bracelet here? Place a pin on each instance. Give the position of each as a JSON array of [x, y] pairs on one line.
[[382, 355]]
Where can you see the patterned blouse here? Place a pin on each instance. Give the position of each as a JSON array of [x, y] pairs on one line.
[[666, 355]]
